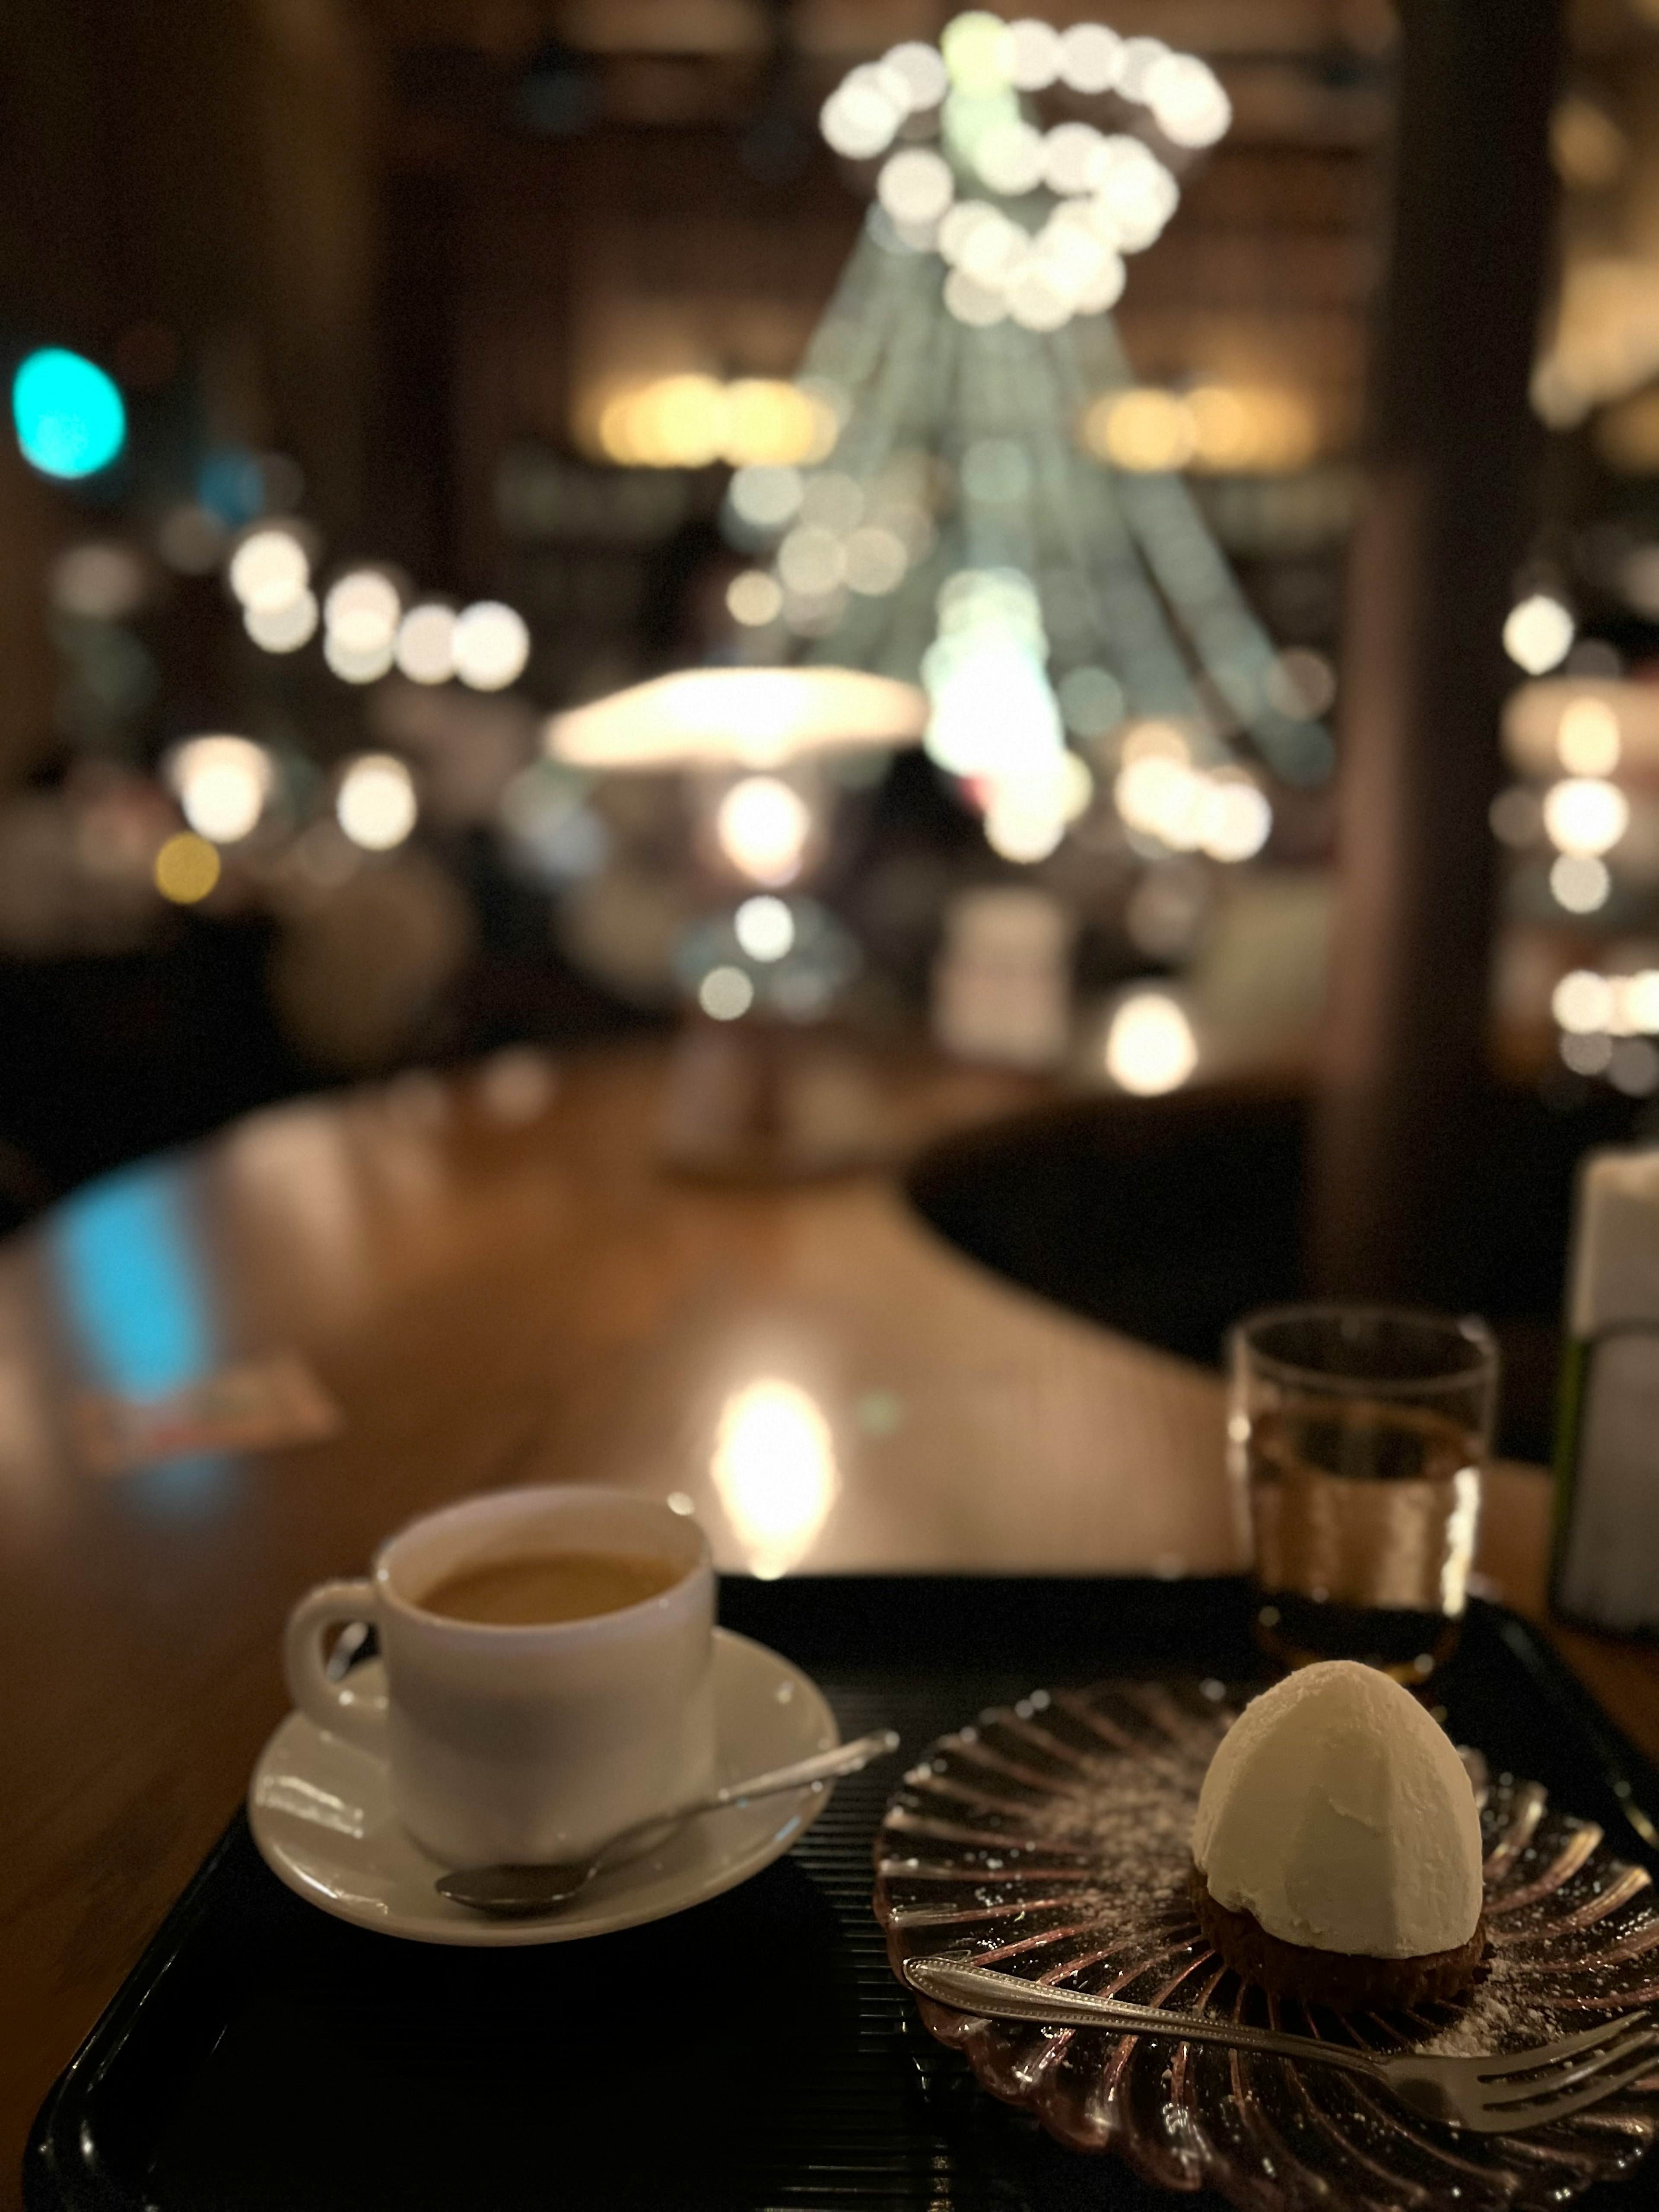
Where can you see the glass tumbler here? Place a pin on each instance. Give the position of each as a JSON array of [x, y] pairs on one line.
[[1357, 1434]]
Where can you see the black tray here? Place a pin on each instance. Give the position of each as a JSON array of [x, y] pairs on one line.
[[751, 2054]]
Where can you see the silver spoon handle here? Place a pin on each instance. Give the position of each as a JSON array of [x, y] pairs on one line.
[[1007, 1997], [822, 1766]]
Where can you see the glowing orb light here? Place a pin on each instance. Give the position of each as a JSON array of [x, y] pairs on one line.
[[70, 418]]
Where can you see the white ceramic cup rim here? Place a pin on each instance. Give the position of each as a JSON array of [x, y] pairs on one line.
[[496, 1508]]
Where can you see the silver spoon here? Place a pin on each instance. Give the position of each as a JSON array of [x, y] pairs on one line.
[[519, 1892]]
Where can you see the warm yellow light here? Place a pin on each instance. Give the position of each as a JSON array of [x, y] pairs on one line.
[[376, 804], [186, 868], [762, 827], [774, 1468], [1224, 429], [1143, 431], [1251, 430], [221, 784], [691, 421], [754, 715], [1150, 1047], [1588, 740], [1585, 816], [1641, 1001], [1582, 1003]]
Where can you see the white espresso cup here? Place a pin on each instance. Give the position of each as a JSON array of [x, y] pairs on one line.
[[524, 1745]]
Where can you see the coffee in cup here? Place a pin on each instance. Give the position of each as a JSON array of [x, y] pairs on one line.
[[548, 1670]]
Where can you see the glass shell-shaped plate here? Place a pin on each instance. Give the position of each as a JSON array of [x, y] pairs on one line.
[[1051, 1840]]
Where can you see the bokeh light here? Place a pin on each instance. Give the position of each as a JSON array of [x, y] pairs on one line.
[[1538, 633], [70, 416], [425, 647], [491, 646], [355, 663], [754, 599], [1150, 1046], [221, 784], [1587, 742], [1582, 1003], [767, 497], [765, 927], [773, 1470], [762, 826], [1187, 99], [726, 995], [361, 612], [1585, 816], [268, 570], [100, 582], [1580, 884], [692, 420], [376, 806], [186, 868], [284, 629]]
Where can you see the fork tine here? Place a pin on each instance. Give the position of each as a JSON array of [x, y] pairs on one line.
[[1594, 2062], [1552, 2054], [1604, 2083]]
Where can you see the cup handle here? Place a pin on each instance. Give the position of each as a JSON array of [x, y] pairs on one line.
[[342, 1708]]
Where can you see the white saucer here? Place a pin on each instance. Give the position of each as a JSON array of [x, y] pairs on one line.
[[321, 1814]]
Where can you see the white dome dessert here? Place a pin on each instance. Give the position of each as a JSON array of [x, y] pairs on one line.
[[1339, 1816]]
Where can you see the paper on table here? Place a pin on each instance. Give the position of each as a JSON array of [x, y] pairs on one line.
[[255, 1406]]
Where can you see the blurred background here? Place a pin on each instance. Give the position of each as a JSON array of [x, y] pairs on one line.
[[1224, 433]]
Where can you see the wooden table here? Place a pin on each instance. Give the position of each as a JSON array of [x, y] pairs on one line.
[[498, 1292]]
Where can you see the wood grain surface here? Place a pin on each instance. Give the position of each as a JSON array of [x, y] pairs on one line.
[[497, 1289]]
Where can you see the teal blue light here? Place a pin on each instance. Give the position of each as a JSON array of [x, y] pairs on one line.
[[130, 1277], [70, 416]]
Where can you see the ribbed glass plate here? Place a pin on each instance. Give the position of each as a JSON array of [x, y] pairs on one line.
[[1051, 1840]]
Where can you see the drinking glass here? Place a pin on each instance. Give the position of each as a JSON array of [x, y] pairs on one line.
[[1358, 1435]]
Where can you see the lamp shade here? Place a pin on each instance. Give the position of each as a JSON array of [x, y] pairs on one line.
[[743, 717]]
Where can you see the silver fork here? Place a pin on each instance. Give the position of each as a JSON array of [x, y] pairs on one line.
[[1492, 2096]]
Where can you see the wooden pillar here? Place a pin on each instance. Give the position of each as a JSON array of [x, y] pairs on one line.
[[1444, 525]]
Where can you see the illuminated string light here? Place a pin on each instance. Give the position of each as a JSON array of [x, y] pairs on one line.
[[376, 806], [269, 571], [767, 497], [221, 784], [186, 869], [285, 629], [1538, 633], [762, 827], [491, 646], [1150, 1046], [70, 417], [424, 649], [361, 612], [356, 663]]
